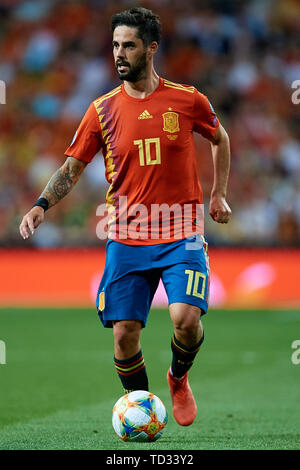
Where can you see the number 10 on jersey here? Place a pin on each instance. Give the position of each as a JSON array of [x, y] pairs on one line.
[[148, 147]]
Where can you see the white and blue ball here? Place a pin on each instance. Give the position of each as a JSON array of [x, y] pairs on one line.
[[139, 416]]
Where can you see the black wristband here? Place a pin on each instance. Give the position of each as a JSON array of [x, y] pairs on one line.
[[42, 202]]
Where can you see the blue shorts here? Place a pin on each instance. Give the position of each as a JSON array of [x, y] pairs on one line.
[[132, 274]]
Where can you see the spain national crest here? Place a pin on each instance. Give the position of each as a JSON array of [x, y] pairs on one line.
[[171, 122], [101, 301]]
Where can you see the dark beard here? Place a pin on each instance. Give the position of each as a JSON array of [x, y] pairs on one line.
[[135, 72]]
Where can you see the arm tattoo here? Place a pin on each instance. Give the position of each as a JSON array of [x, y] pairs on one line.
[[63, 180]]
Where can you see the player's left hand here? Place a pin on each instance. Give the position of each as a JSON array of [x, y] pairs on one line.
[[219, 210]]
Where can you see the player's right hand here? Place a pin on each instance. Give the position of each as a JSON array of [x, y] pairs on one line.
[[31, 221]]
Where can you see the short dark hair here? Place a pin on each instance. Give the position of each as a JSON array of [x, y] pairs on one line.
[[147, 23]]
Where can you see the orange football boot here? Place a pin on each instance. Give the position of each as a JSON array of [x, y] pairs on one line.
[[183, 402]]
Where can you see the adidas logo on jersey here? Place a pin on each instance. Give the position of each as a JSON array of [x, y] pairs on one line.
[[145, 115]]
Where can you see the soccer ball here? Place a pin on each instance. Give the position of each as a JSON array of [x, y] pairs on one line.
[[139, 416]]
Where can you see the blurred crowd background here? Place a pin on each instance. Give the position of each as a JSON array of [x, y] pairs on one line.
[[56, 57]]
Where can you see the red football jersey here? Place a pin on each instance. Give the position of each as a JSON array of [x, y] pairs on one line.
[[150, 162]]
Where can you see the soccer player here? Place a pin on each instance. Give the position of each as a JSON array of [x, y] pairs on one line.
[[144, 128]]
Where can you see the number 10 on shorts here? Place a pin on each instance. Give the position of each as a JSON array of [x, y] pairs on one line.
[[194, 279]]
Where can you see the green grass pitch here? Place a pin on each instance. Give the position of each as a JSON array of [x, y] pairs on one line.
[[58, 385]]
